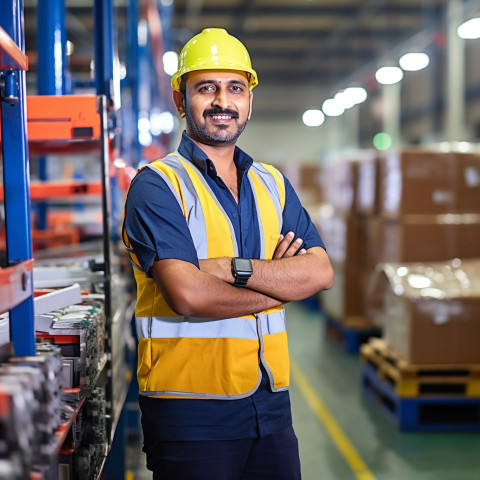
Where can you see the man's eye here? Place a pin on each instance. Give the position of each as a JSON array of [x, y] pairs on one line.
[[207, 88]]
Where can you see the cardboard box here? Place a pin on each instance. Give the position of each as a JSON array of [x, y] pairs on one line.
[[422, 238], [344, 236], [366, 200], [430, 312], [419, 182], [305, 179], [338, 181]]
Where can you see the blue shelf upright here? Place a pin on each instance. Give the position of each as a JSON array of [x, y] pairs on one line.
[[13, 64]]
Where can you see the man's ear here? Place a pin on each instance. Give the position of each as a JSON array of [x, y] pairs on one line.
[[179, 101]]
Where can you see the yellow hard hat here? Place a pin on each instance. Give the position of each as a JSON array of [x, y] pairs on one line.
[[214, 49]]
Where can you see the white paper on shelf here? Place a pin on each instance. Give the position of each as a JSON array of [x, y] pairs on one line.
[[60, 298], [43, 323]]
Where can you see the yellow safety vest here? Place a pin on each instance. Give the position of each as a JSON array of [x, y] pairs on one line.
[[197, 357]]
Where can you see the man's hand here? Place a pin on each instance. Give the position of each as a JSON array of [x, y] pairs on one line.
[[220, 267], [286, 247]]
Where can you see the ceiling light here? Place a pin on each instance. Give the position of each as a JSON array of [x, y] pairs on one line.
[[170, 62], [357, 94], [332, 108], [161, 122], [344, 100], [413, 62], [389, 75], [313, 118], [470, 29]]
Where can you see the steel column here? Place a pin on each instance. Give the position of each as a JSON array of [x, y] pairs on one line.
[[16, 180], [104, 48]]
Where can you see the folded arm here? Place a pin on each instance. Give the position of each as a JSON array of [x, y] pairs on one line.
[[192, 292], [286, 277]]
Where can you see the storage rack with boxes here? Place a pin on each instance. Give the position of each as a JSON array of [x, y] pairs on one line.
[[405, 224]]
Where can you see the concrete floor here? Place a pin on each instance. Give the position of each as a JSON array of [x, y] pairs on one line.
[[344, 436]]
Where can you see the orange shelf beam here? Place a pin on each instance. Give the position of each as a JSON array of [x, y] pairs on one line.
[[63, 124], [62, 117], [44, 190], [15, 285], [10, 55]]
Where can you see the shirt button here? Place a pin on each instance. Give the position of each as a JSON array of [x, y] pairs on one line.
[[211, 167], [234, 215]]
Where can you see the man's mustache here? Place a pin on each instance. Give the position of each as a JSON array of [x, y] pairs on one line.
[[219, 111]]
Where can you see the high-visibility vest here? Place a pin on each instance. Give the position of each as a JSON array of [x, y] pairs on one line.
[[197, 357]]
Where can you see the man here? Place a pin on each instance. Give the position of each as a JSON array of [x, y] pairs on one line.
[[212, 236]]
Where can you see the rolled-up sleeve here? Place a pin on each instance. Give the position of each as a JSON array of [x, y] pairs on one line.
[[154, 222]]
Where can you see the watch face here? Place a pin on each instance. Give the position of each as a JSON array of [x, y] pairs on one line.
[[243, 265]]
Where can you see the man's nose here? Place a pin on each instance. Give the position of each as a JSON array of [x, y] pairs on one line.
[[221, 99]]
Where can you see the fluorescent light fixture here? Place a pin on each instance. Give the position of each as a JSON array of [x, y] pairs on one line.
[[344, 100], [389, 75], [313, 118], [469, 30], [414, 61], [161, 123], [331, 108], [357, 94], [170, 62]]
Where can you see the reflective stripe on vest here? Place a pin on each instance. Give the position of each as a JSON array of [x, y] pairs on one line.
[[201, 357]]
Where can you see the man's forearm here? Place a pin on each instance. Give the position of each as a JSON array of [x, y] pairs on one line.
[[288, 278], [292, 278], [191, 292]]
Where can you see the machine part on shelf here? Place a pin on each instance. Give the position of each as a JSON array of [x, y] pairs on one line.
[[79, 331]]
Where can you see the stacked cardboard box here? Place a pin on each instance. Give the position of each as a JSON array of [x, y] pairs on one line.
[[305, 179], [344, 233], [430, 311], [407, 205], [428, 207]]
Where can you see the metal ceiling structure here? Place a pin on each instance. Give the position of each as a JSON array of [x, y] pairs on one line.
[[310, 41], [296, 46]]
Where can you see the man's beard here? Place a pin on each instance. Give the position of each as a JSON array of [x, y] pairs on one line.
[[201, 134]]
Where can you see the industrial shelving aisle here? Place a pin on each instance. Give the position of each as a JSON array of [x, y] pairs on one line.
[[82, 129], [71, 343]]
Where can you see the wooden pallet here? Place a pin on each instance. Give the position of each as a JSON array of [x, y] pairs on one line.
[[421, 414], [409, 380]]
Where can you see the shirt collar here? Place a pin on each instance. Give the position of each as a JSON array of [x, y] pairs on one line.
[[192, 152]]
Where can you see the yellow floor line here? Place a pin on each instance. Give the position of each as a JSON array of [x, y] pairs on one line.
[[358, 466]]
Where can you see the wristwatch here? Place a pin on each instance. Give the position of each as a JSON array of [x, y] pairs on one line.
[[241, 270]]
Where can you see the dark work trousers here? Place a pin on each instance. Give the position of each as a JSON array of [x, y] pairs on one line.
[[274, 457]]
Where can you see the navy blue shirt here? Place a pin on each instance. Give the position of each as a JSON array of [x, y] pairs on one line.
[[157, 229]]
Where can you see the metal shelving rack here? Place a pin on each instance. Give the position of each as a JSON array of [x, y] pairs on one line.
[[59, 123], [16, 278]]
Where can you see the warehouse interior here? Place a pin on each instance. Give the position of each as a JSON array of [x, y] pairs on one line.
[[371, 109]]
